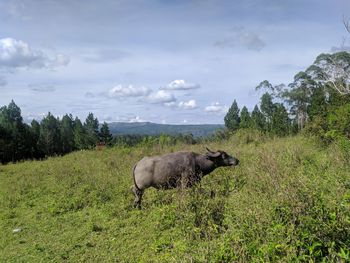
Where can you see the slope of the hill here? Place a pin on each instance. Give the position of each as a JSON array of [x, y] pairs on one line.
[[148, 128], [289, 200]]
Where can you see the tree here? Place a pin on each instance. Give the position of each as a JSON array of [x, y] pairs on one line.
[[274, 91], [298, 97], [258, 119], [346, 23], [36, 152], [67, 134], [332, 69], [5, 138], [16, 133], [318, 104], [91, 129], [232, 119], [105, 135], [280, 122], [50, 139], [79, 135], [267, 108], [245, 118]]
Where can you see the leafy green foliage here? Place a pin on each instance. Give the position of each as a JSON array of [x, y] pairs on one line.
[[339, 121]]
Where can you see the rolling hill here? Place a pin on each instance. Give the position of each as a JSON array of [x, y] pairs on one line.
[[149, 128], [287, 201]]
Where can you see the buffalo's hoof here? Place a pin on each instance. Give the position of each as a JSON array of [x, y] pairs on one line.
[[137, 205]]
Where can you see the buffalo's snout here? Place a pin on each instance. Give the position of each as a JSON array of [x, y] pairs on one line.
[[234, 162]]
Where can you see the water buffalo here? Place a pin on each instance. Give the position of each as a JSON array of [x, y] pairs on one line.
[[179, 169]]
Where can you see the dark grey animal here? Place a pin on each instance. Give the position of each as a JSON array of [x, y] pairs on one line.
[[179, 169]]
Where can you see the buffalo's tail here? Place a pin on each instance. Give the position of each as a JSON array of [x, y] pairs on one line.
[[133, 176]]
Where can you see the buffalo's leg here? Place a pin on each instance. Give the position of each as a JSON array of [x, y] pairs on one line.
[[138, 196]]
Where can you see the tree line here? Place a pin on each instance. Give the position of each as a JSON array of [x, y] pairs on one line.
[[317, 101], [52, 136]]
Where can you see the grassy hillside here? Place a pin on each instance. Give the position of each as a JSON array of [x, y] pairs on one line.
[[289, 200]]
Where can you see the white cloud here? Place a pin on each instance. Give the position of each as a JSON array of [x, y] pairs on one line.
[[127, 118], [33, 116], [187, 105], [128, 91], [161, 97], [18, 54], [61, 60], [136, 119], [216, 107], [180, 84], [239, 36]]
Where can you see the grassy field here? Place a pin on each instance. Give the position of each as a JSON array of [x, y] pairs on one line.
[[288, 200]]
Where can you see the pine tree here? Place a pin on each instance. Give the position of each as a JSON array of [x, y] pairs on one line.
[[5, 138], [79, 134], [245, 118], [91, 128], [17, 133], [258, 119], [36, 152], [232, 119], [14, 112], [50, 139], [105, 135], [280, 123], [67, 135], [267, 108]]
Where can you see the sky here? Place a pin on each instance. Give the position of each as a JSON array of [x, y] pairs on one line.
[[173, 62]]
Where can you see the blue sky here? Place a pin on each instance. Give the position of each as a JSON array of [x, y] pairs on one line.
[[160, 61]]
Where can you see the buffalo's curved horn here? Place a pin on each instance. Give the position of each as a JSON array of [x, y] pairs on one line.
[[209, 150], [213, 154]]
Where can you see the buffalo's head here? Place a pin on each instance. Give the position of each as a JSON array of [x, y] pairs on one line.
[[221, 158]]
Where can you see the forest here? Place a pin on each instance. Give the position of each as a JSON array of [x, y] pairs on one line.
[[316, 102]]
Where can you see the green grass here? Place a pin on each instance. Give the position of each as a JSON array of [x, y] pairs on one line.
[[289, 200]]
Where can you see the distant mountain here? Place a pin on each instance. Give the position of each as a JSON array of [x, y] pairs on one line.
[[148, 128]]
